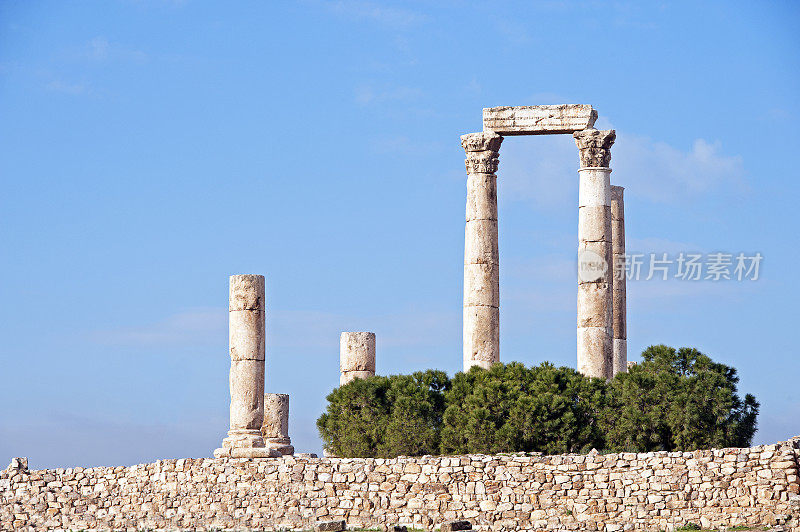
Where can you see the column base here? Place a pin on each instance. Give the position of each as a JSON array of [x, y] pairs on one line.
[[244, 452], [245, 443], [243, 439], [282, 445]]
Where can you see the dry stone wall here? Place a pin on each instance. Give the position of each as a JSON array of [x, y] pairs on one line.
[[724, 488]]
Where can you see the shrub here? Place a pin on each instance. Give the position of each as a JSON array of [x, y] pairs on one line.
[[672, 400], [678, 400], [385, 416], [513, 408]]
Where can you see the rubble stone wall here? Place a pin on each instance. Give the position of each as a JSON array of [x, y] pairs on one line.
[[722, 488]]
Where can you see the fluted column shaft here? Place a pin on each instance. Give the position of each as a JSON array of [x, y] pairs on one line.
[[595, 322], [619, 308], [481, 257]]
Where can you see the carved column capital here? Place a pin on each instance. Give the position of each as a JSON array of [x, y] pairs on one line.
[[594, 147], [482, 151]]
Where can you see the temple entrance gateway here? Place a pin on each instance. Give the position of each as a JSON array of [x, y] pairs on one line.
[[600, 337]]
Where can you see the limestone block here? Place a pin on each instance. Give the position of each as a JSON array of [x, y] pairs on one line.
[[538, 119], [594, 304], [594, 187], [283, 448], [481, 336], [357, 352], [480, 242], [246, 330], [620, 363], [247, 452], [594, 262], [246, 292], [451, 526], [481, 197], [595, 351], [255, 452], [276, 416], [247, 394], [482, 284], [348, 376], [594, 223], [19, 463], [330, 526]]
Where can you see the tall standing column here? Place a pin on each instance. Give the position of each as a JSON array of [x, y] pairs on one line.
[[481, 257], [356, 356], [595, 325], [619, 309], [247, 350]]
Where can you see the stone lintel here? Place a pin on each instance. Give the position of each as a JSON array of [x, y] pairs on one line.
[[538, 119]]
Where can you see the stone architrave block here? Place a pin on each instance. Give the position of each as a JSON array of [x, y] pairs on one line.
[[538, 119]]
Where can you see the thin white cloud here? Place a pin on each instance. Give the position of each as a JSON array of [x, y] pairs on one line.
[[662, 173], [375, 12], [75, 89], [513, 31], [101, 50], [660, 245], [98, 48], [543, 170], [320, 330], [191, 327], [370, 95]]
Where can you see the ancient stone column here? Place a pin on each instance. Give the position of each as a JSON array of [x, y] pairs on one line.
[[619, 308], [595, 266], [247, 349], [481, 258], [356, 356], [275, 429]]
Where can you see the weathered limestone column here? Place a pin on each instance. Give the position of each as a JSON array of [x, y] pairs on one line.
[[247, 350], [481, 258], [275, 429], [595, 325], [619, 281], [356, 356]]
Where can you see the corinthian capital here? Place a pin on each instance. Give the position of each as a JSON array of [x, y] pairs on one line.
[[595, 147], [482, 151]]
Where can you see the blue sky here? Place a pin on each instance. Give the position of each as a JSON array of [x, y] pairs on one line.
[[150, 149]]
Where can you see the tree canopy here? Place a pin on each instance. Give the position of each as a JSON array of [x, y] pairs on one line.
[[674, 399]]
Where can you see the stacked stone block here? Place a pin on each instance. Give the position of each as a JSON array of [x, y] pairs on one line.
[[481, 255], [595, 256], [356, 356], [721, 488], [246, 324], [275, 429], [619, 281]]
